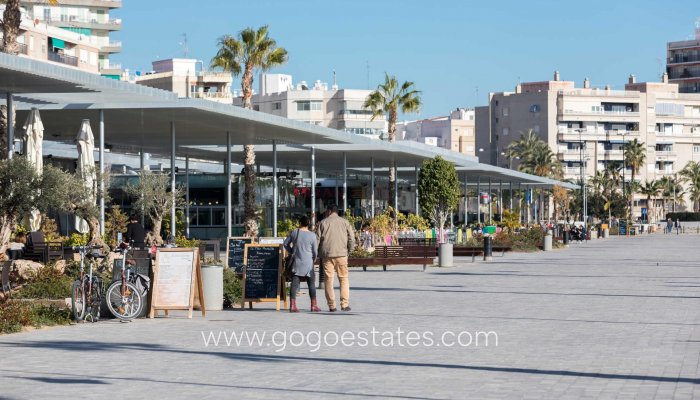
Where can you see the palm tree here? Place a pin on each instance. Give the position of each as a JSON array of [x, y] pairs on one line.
[[251, 50], [388, 98], [635, 155], [524, 146], [650, 190], [670, 186], [691, 174]]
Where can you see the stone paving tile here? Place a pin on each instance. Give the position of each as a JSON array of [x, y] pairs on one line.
[[612, 318]]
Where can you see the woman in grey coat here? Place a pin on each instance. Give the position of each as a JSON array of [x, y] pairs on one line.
[[303, 246]]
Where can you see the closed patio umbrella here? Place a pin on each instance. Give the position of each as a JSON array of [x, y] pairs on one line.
[[86, 166], [34, 137]]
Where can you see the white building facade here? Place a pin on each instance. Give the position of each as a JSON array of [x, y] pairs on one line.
[[316, 104], [587, 127], [454, 132]]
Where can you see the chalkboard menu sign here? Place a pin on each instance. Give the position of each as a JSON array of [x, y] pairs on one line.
[[622, 228], [262, 273], [235, 247]]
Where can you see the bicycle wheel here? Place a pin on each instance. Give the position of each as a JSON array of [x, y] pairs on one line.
[[77, 295], [125, 305], [95, 299]]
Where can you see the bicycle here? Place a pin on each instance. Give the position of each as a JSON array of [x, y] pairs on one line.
[[124, 298], [86, 292]]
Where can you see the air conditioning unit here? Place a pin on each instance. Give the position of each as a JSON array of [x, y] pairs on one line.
[[695, 129]]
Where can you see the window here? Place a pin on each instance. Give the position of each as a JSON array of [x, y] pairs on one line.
[[277, 105], [535, 108], [256, 107], [696, 148], [505, 111], [307, 105], [505, 131], [596, 109]]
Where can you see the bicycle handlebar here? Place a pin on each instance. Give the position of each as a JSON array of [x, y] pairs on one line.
[[86, 248]]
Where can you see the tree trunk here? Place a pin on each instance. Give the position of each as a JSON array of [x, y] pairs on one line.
[[7, 224], [392, 170], [95, 237], [3, 130], [11, 19], [153, 238], [250, 217], [251, 220]]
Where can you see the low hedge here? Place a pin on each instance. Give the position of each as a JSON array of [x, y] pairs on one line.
[[685, 216], [14, 315]]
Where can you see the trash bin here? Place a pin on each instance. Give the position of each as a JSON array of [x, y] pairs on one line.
[[488, 248], [213, 282], [606, 233], [565, 237]]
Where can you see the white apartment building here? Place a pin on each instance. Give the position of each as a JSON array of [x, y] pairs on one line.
[[89, 19], [47, 43], [683, 63], [454, 132], [601, 120], [188, 79], [316, 104]]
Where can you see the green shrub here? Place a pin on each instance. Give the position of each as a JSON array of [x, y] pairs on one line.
[[46, 283], [76, 239], [684, 216], [16, 314], [182, 241], [285, 226], [233, 288]]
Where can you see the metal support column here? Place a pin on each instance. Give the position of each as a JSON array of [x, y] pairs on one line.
[[490, 208], [275, 190], [227, 170], [187, 197], [478, 199], [173, 221], [510, 195], [396, 188], [417, 195], [345, 181], [372, 187], [142, 157], [313, 186], [500, 199], [102, 170], [466, 200], [10, 126]]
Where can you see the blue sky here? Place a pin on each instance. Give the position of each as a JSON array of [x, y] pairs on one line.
[[448, 48]]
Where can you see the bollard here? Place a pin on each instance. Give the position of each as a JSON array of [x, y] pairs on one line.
[[565, 237], [548, 242], [321, 275], [488, 248], [606, 233], [445, 255]]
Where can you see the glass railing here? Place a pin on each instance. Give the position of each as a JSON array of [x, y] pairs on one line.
[[62, 58]]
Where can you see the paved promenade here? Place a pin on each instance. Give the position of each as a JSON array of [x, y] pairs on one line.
[[613, 318]]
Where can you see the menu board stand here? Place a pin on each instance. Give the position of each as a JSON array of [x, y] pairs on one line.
[[262, 275], [175, 274], [235, 247]]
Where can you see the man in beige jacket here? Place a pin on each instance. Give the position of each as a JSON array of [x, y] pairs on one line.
[[336, 239]]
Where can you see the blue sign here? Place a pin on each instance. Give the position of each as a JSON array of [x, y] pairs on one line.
[[528, 196]]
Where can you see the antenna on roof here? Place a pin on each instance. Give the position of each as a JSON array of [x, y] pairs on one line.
[[335, 83], [697, 28], [185, 49]]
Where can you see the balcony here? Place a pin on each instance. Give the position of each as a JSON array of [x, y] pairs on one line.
[[111, 69], [573, 135], [572, 171], [112, 47], [683, 58], [569, 155], [598, 93], [93, 23], [211, 95], [665, 154], [22, 48], [664, 172], [93, 3], [62, 58]]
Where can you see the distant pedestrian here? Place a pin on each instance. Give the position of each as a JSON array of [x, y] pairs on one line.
[[336, 241], [135, 233], [302, 245], [678, 226], [669, 225]]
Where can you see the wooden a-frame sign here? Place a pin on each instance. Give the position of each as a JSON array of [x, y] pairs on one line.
[[175, 274], [255, 278]]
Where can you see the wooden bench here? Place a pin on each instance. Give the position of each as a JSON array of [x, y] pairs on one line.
[[397, 255], [465, 251]]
